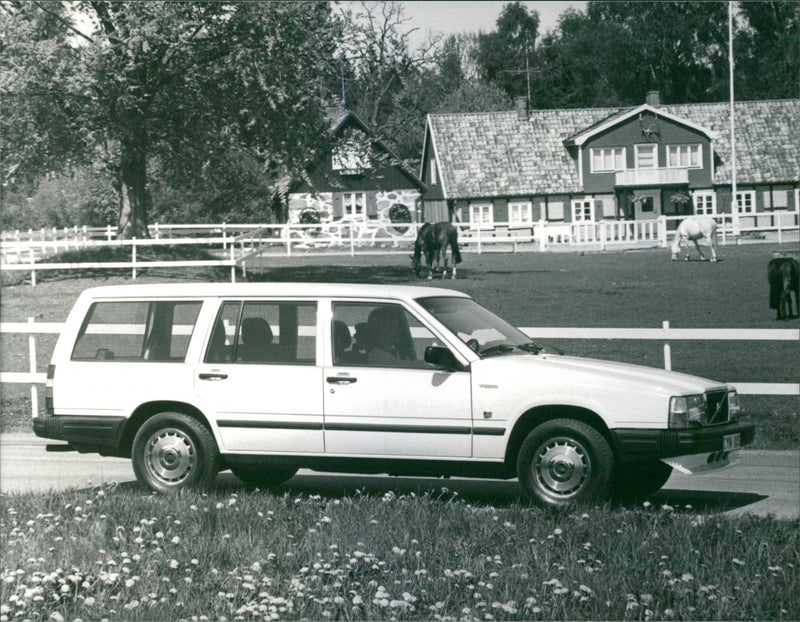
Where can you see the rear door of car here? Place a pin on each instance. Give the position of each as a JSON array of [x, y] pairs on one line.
[[259, 375], [377, 406]]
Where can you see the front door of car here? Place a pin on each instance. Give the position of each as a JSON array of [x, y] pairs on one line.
[[260, 377], [381, 398]]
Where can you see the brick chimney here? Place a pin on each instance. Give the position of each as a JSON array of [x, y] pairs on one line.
[[653, 98], [521, 106]]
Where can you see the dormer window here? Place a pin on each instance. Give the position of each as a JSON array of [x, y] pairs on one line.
[[352, 155], [607, 159], [684, 156], [646, 156]]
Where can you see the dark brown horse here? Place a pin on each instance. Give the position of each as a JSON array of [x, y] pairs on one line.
[[433, 240], [783, 274]]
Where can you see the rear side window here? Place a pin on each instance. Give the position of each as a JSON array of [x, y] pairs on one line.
[[137, 331], [256, 331]]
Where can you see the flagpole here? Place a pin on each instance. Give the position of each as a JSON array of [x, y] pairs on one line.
[[734, 202]]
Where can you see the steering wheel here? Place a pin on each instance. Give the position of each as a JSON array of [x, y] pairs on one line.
[[474, 345]]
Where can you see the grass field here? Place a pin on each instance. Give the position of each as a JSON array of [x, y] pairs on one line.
[[614, 289], [121, 553]]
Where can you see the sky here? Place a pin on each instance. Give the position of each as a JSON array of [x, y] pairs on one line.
[[456, 16]]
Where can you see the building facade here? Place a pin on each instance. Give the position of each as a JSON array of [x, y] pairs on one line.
[[506, 171], [357, 179]]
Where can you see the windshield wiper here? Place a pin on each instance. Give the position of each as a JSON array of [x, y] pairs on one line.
[[536, 348], [501, 348]]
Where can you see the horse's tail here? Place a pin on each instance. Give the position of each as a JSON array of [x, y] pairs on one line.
[[775, 284], [453, 240]]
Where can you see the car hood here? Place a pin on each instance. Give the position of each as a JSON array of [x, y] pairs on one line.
[[579, 369]]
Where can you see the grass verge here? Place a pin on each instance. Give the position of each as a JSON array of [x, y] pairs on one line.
[[122, 554]]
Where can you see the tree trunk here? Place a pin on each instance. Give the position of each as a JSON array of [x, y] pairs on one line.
[[132, 178]]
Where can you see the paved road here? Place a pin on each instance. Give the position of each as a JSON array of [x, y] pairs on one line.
[[764, 483]]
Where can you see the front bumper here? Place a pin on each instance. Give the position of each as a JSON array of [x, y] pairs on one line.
[[636, 444]]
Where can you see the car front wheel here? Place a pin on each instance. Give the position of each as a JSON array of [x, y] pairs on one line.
[[564, 462], [173, 451]]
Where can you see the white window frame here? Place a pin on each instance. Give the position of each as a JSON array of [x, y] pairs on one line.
[[524, 214], [640, 148], [746, 202], [604, 154], [433, 172], [685, 150], [354, 205], [481, 216], [705, 202], [579, 207]]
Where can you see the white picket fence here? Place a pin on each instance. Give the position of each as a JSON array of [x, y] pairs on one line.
[[234, 245], [665, 334]]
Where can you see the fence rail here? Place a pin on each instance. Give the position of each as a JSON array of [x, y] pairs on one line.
[[236, 245], [665, 333]]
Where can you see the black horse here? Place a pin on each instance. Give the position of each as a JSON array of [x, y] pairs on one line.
[[783, 274], [433, 240]]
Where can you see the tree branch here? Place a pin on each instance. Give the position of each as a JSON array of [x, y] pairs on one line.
[[41, 7]]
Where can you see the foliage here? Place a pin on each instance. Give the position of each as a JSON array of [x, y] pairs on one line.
[[187, 81], [400, 551], [504, 55]]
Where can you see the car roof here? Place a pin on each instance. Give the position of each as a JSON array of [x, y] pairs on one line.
[[305, 290]]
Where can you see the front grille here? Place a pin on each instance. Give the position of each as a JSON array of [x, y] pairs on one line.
[[717, 407]]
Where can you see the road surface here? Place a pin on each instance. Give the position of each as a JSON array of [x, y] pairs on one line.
[[764, 483]]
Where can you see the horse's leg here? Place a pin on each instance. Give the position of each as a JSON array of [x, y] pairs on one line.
[[697, 246], [713, 241], [444, 262]]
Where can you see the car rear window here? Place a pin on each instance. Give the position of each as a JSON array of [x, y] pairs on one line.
[[137, 331]]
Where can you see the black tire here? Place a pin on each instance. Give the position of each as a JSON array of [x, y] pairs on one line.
[[563, 463], [639, 479], [263, 475], [173, 452]]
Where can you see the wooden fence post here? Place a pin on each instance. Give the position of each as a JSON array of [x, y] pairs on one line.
[[32, 369], [133, 259], [667, 347], [33, 261], [233, 262]]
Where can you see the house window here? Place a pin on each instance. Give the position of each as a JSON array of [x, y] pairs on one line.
[[433, 172], [684, 156], [354, 204], [705, 203], [607, 159], [646, 156], [583, 210], [520, 214], [746, 202], [481, 216]]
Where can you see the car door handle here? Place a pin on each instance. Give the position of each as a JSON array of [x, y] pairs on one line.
[[340, 379], [214, 376]]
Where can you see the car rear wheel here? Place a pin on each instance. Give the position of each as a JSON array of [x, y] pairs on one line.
[[639, 479], [173, 451], [263, 476], [564, 462]]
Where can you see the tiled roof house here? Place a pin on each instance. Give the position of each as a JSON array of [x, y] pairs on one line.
[[500, 170], [358, 179]]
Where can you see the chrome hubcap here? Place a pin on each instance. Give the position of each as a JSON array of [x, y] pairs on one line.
[[170, 456], [561, 467]]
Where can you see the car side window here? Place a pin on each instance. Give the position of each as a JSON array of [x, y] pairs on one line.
[[278, 332], [137, 331], [378, 335]]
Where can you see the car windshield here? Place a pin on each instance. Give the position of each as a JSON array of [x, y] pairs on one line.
[[479, 328]]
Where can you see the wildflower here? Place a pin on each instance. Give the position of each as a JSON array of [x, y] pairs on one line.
[[175, 540], [738, 562]]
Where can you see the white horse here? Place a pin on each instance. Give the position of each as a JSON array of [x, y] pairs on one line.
[[696, 228]]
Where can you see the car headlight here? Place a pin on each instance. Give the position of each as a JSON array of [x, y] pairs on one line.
[[733, 405], [687, 411]]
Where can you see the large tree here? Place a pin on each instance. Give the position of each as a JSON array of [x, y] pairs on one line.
[[122, 82]]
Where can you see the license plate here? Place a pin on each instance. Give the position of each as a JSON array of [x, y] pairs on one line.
[[731, 442]]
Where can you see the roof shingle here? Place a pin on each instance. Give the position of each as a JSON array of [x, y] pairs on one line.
[[496, 154]]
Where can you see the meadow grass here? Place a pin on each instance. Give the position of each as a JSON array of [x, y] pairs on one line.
[[121, 553]]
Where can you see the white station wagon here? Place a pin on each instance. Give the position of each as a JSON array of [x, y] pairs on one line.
[[264, 379]]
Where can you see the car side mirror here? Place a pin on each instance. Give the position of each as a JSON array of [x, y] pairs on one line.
[[442, 357]]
